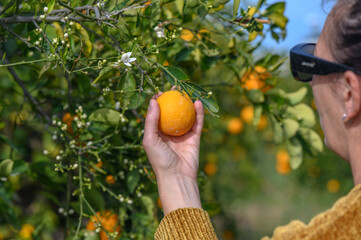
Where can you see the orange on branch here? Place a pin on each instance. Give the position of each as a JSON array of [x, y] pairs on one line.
[[177, 113], [263, 122], [333, 185], [247, 114], [283, 162], [26, 231], [187, 35], [210, 168], [255, 79], [110, 179], [108, 220], [235, 126]]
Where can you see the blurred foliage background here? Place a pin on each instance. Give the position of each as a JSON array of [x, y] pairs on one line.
[[77, 77]]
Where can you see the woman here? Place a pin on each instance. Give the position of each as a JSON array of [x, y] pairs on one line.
[[333, 67]]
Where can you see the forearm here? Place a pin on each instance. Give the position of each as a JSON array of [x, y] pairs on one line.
[[178, 192]]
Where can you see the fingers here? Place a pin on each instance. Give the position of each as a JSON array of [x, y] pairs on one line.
[[198, 125], [151, 121]]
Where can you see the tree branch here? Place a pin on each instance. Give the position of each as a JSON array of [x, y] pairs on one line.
[[27, 93]]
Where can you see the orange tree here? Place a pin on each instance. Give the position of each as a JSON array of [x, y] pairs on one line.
[[76, 80]]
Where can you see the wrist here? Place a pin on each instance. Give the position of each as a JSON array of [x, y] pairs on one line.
[[178, 191]]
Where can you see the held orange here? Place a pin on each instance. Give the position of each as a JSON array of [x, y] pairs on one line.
[[177, 113]]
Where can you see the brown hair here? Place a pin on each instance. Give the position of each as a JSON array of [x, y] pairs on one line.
[[345, 33]]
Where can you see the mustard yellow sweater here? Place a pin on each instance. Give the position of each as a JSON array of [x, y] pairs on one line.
[[341, 222]]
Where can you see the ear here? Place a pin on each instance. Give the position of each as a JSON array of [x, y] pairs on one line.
[[352, 95]]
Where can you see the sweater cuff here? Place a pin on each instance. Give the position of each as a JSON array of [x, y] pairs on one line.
[[186, 223]]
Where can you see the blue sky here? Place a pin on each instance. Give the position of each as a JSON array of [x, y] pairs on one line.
[[306, 19]]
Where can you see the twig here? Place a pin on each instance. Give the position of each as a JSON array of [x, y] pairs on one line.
[[22, 39], [10, 4], [76, 11], [27, 93]]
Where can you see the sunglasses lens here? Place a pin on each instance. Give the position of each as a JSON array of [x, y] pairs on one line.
[[301, 76], [296, 63], [308, 48]]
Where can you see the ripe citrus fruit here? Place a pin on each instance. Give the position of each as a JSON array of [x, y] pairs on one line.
[[333, 185], [255, 79], [263, 122], [247, 114], [210, 168], [177, 113], [235, 126], [108, 220], [26, 231], [110, 179], [187, 35], [283, 162]]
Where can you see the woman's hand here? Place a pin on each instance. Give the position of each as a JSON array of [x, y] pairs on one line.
[[174, 160]]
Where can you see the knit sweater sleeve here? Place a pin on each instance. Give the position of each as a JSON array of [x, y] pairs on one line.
[[186, 223], [341, 222]]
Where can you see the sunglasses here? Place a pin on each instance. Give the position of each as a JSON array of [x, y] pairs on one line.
[[304, 64]]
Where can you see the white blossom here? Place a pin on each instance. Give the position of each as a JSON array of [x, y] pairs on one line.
[[126, 59], [66, 35], [117, 105], [46, 9], [45, 152], [159, 31]]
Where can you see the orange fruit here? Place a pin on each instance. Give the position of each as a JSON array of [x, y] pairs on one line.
[[210, 168], [235, 126], [333, 185], [228, 235], [187, 35], [26, 231], [255, 79], [108, 220], [262, 124], [247, 114], [110, 179], [177, 113], [283, 162]]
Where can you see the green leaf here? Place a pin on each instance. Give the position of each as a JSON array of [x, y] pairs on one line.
[[137, 100], [194, 91], [105, 115], [302, 113], [290, 127], [236, 4], [277, 8], [276, 92], [51, 5], [277, 130], [95, 198], [313, 140], [174, 75], [257, 114], [180, 4], [255, 96], [19, 167], [132, 180], [148, 204], [4, 139], [279, 19], [6, 166], [105, 73], [128, 85], [192, 3], [297, 96], [294, 148]]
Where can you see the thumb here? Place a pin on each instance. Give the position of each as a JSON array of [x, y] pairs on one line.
[[151, 121]]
